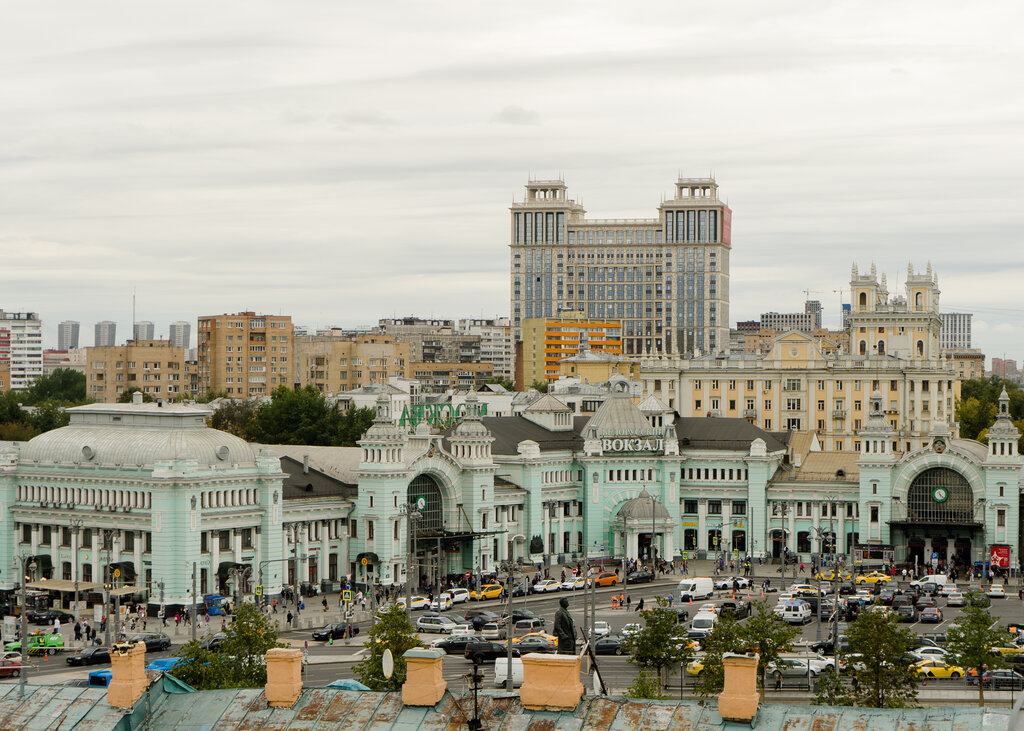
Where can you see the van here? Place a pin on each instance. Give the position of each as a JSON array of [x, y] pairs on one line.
[[796, 612], [501, 672], [702, 624], [940, 580], [699, 588]]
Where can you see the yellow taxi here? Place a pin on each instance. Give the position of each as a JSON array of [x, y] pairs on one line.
[[607, 578], [1008, 648], [545, 635], [696, 667], [937, 669], [875, 577], [487, 591], [831, 576]]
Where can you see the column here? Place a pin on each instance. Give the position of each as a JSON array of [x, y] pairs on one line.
[[632, 544], [668, 549], [561, 529], [791, 539], [343, 535], [815, 542], [305, 552], [58, 572], [214, 539], [140, 574], [702, 518], [34, 545], [74, 555], [94, 551], [727, 527], [841, 547], [545, 520]]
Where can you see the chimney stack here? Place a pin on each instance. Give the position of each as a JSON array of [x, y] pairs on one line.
[[739, 699], [424, 684], [284, 676], [128, 674]]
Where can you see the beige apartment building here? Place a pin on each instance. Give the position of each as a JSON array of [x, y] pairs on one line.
[[155, 367], [443, 377], [245, 355], [338, 363], [546, 341], [798, 385]]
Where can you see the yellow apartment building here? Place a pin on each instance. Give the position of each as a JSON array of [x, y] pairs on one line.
[[245, 355], [338, 363], [595, 367], [155, 367], [547, 341]]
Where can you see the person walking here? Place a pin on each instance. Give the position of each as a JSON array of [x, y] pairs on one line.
[[288, 618], [640, 605], [629, 601], [324, 602], [56, 626], [78, 632], [669, 601]]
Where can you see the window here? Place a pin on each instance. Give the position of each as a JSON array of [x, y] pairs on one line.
[[204, 542], [690, 507], [739, 507], [225, 540], [874, 513], [1000, 518], [369, 530], [247, 538], [714, 507]]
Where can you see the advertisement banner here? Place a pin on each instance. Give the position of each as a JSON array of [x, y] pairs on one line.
[[1000, 557]]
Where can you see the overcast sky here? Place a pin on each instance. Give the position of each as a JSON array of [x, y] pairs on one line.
[[342, 162]]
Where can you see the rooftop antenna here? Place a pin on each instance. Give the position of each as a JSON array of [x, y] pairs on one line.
[[133, 313]]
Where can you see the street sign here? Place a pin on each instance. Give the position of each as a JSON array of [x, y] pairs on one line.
[[117, 573], [346, 596], [935, 557], [258, 591], [363, 561], [348, 584]]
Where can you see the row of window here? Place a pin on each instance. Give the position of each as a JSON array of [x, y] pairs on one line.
[[714, 507]]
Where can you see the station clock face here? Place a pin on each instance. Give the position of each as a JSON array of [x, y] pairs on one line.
[[939, 494]]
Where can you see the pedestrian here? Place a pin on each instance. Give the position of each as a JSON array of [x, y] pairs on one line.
[[621, 597], [629, 601], [324, 602], [273, 604], [78, 632], [640, 605], [669, 601], [56, 626], [177, 620], [288, 618]]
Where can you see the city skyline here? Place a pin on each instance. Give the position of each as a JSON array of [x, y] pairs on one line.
[[295, 143]]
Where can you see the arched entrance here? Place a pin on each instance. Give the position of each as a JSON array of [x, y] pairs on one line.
[[429, 568], [645, 529], [938, 523]]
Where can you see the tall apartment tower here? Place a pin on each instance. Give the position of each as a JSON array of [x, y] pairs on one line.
[[665, 279], [956, 330], [180, 334], [246, 355], [21, 347], [67, 335], [106, 334], [144, 330]]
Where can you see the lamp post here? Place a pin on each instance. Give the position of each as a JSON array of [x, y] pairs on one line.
[[27, 565], [76, 527], [412, 514]]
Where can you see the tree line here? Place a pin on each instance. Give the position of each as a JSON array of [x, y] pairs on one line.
[[979, 403], [47, 397]]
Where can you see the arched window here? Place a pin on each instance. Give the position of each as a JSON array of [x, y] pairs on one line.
[[940, 495], [881, 347], [426, 487], [918, 300], [920, 347], [863, 299], [863, 347]]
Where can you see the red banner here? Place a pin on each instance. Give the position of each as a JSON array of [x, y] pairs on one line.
[[1000, 557]]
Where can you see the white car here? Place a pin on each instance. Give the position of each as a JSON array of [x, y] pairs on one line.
[[442, 603], [730, 581], [929, 653], [546, 585], [601, 629], [459, 595], [574, 583], [630, 629], [492, 631], [956, 599], [948, 589], [709, 607], [996, 591], [798, 666]]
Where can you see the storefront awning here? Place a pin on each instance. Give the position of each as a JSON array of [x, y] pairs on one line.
[[126, 590], [62, 585]]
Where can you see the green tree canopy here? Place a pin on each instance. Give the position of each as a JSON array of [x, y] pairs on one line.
[[48, 415], [391, 632], [234, 417], [64, 386], [726, 636], [766, 634], [661, 645], [878, 662], [978, 404], [126, 395], [304, 416], [239, 660], [970, 639]]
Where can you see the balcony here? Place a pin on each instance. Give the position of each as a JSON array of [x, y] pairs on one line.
[[838, 413], [750, 413]]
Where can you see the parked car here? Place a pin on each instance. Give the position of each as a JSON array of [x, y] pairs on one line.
[[847, 588], [90, 656], [154, 641], [874, 577], [794, 612], [601, 628], [213, 641], [573, 583], [996, 591], [46, 616], [682, 615], [740, 608], [487, 591], [996, 679], [643, 576], [956, 599], [701, 626], [10, 668], [607, 578], [536, 643], [700, 587], [923, 602], [906, 613], [482, 651], [492, 631], [479, 618], [610, 645], [522, 587], [526, 626], [437, 623], [546, 585], [456, 644], [518, 614], [732, 582], [931, 615], [929, 653], [797, 667], [937, 669], [830, 646], [442, 602], [459, 595], [832, 575], [885, 596]]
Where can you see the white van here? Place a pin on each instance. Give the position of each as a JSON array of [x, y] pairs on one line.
[[501, 672], [701, 626], [940, 580], [795, 612], [699, 588]]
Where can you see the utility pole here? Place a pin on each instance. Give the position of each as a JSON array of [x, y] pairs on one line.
[[411, 515], [76, 526], [27, 565], [194, 617], [106, 589]]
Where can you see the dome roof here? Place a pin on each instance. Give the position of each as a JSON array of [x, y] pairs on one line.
[[128, 434], [639, 509]]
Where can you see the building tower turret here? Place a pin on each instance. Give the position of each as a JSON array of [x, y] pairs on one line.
[[1003, 436]]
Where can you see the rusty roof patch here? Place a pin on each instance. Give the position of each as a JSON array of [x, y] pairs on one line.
[[338, 707], [238, 709]]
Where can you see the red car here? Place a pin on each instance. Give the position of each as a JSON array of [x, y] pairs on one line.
[[10, 668]]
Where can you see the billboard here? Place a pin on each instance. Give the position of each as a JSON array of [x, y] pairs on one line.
[[1000, 557]]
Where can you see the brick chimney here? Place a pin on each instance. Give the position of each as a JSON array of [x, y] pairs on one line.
[[551, 682], [128, 674], [739, 698], [284, 676], [424, 685]]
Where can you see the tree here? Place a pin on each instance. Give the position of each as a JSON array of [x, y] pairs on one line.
[[63, 385], [661, 645], [768, 636], [976, 410], [238, 662], [974, 416], [970, 639], [726, 636], [504, 383], [878, 662], [391, 632], [48, 415], [539, 386], [126, 396], [13, 431], [234, 417], [647, 685]]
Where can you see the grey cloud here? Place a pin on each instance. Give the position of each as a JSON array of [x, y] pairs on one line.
[[515, 114]]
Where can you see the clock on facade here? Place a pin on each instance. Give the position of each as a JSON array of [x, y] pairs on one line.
[[939, 494]]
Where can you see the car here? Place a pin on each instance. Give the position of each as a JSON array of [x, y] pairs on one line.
[[929, 653], [739, 608], [701, 626], [948, 589], [501, 673], [522, 587], [643, 576], [937, 669], [478, 619], [931, 615], [459, 595], [732, 582], [936, 639], [607, 578], [335, 631], [214, 641], [420, 603], [536, 643], [793, 612], [886, 595], [798, 667], [682, 615], [442, 602], [154, 641], [996, 591], [10, 668], [573, 583], [524, 627], [90, 656], [847, 588], [1008, 648], [924, 602], [483, 651], [601, 629], [47, 643], [455, 644], [518, 614], [531, 635], [996, 679], [832, 575], [906, 613], [875, 577], [829, 647], [438, 623], [486, 591], [630, 629], [956, 599], [799, 590], [492, 631], [610, 645], [46, 616], [546, 585]]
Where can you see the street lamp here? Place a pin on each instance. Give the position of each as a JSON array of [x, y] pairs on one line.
[[509, 567], [27, 565], [412, 514], [76, 527]]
